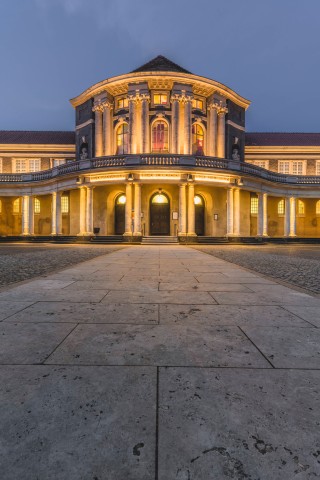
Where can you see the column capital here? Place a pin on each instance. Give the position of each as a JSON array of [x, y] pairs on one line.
[[181, 98], [139, 97], [98, 107]]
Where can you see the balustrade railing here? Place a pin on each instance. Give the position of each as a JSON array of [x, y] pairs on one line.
[[160, 160]]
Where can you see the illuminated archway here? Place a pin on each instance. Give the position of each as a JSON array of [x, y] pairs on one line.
[[159, 214], [119, 217]]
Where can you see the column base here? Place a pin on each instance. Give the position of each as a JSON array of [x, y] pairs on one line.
[[188, 238], [132, 238]]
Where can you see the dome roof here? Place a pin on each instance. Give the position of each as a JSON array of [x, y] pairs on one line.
[[160, 64]]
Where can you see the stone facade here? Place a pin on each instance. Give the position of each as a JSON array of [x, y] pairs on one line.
[[160, 151]]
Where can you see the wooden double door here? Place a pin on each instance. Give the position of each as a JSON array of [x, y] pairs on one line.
[[159, 219]]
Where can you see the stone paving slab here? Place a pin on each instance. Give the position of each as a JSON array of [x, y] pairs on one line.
[[310, 314], [62, 295], [88, 313], [204, 287], [221, 277], [158, 345], [229, 424], [10, 308], [77, 423], [30, 343], [115, 296], [293, 298], [290, 347], [230, 315]]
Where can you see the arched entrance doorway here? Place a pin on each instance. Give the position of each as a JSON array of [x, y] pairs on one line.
[[199, 214], [119, 214], [159, 214]]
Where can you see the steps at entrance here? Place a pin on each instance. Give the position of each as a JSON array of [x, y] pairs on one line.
[[212, 240], [107, 239], [154, 240]]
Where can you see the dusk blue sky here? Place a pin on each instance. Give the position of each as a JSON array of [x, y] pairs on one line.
[[266, 50]]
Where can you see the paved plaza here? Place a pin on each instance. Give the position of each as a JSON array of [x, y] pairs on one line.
[[159, 363]]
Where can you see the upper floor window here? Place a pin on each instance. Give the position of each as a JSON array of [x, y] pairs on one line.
[[24, 165], [160, 99], [122, 139], [292, 167], [197, 139], [58, 161], [122, 103], [262, 163], [318, 167], [197, 104], [160, 142]]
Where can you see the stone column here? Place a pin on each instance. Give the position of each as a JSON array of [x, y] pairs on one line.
[[212, 130], [145, 141], [221, 132], [132, 125], [107, 128], [98, 109], [229, 211], [265, 215], [54, 213], [25, 215], [31, 215], [287, 217], [260, 215], [128, 210], [137, 209], [89, 211], [191, 210], [83, 195], [293, 222], [175, 123], [182, 210], [236, 205], [187, 126]]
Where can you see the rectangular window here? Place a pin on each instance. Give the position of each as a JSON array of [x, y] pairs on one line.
[[20, 165], [36, 205], [281, 207], [254, 205], [262, 163], [318, 167], [64, 204], [292, 167], [123, 103], [160, 99], [197, 104], [58, 161], [34, 164], [25, 165], [16, 206]]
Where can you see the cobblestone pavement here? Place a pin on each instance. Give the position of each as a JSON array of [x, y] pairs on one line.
[[20, 262], [296, 264], [158, 363]]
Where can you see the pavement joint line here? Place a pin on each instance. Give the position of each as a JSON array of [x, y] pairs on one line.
[[19, 311], [57, 346], [298, 316], [260, 351]]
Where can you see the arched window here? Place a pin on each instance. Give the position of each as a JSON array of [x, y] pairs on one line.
[[159, 198], [318, 207], [122, 139], [121, 199], [197, 139], [160, 142], [301, 209], [281, 207], [16, 205], [198, 200]]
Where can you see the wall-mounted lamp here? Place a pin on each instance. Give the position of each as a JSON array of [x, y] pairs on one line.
[[130, 177], [215, 216], [237, 182], [79, 180], [189, 177]]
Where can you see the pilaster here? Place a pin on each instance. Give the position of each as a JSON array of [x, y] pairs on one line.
[[182, 210], [98, 110], [230, 211], [25, 215]]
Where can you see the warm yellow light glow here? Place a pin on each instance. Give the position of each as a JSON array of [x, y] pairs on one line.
[[121, 200], [198, 200], [254, 205], [64, 204], [160, 99], [16, 205], [159, 198], [36, 205], [123, 103], [209, 178], [301, 207], [198, 104], [281, 207]]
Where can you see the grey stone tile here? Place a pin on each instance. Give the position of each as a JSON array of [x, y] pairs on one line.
[[310, 314], [232, 424], [77, 423], [157, 297], [229, 315], [217, 278], [291, 347], [63, 295], [237, 298], [157, 345], [9, 308], [65, 312], [30, 343], [203, 287]]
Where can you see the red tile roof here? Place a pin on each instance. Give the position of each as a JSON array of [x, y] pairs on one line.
[[276, 139], [37, 137]]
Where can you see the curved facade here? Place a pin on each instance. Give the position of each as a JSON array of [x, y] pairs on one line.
[[160, 151]]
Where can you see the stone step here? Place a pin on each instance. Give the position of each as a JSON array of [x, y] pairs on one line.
[[156, 240]]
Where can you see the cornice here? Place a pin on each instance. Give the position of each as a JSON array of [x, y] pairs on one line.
[[27, 147], [274, 150], [119, 84]]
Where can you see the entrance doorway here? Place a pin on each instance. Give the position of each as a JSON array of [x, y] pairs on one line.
[[119, 214], [199, 215], [159, 214]]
